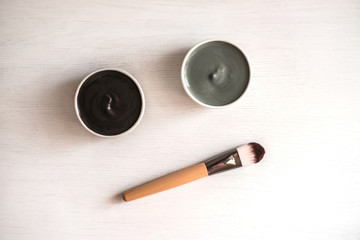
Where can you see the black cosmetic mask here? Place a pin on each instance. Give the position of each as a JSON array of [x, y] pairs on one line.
[[109, 102]]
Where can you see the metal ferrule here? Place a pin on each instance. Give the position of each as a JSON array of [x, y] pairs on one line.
[[225, 161]]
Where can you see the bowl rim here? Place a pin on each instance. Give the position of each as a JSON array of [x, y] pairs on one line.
[[183, 71], [142, 102]]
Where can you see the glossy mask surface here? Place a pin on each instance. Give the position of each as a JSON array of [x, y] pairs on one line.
[[109, 102], [216, 73]]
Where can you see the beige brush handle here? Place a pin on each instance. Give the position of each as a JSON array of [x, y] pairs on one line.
[[172, 180]]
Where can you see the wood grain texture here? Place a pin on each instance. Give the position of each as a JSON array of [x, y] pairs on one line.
[[57, 181]]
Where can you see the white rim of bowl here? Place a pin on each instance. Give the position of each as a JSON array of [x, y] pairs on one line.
[[142, 101], [183, 71]]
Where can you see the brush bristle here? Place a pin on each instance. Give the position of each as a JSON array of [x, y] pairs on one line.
[[250, 153]]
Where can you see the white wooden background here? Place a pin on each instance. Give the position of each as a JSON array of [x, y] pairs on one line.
[[57, 181]]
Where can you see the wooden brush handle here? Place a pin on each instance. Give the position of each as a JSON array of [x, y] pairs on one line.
[[172, 180]]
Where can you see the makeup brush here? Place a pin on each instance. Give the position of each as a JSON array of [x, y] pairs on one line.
[[242, 156]]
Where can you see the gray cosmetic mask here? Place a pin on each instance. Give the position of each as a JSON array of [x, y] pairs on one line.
[[215, 73]]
